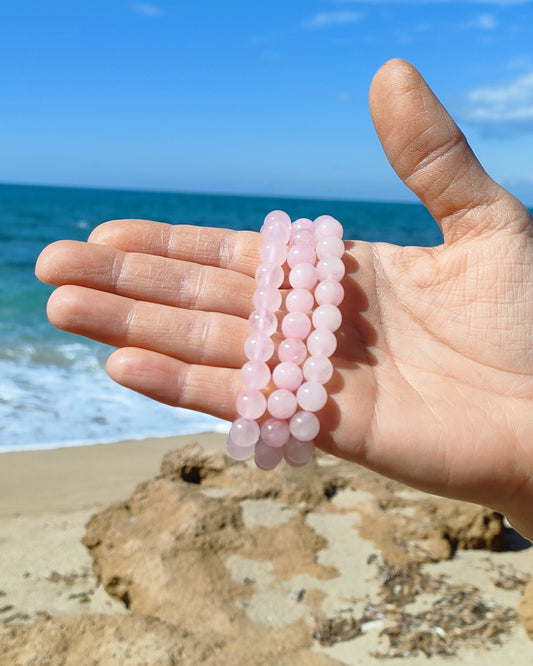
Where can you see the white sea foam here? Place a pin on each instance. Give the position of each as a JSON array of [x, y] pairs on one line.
[[53, 396]]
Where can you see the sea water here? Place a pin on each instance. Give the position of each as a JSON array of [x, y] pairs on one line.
[[53, 387]]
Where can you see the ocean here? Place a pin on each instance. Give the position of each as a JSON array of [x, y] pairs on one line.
[[54, 391]]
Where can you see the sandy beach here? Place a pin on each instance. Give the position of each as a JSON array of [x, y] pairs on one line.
[[163, 551]]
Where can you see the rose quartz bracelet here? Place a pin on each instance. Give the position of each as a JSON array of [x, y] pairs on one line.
[[259, 348], [321, 343], [292, 351], [292, 425]]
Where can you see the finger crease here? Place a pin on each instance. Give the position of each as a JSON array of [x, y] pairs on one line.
[[199, 286], [228, 250], [118, 269], [129, 323], [438, 153]]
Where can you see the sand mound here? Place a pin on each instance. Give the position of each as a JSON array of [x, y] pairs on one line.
[[94, 639], [215, 559]]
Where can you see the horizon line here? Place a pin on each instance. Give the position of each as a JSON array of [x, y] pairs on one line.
[[251, 195]]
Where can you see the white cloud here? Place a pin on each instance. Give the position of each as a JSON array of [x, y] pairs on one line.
[[504, 108], [147, 9], [484, 22], [327, 19], [344, 96], [481, 22]]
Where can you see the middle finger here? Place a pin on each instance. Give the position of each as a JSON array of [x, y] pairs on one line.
[[147, 277]]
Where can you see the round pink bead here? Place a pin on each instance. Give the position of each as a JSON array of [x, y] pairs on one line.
[[330, 246], [239, 452], [262, 321], [303, 276], [325, 225], [304, 426], [275, 433], [267, 457], [318, 369], [301, 254], [255, 374], [278, 216], [327, 316], [269, 275], [267, 298], [244, 432], [258, 347], [303, 237], [312, 396], [329, 291], [251, 404], [303, 223], [282, 404], [276, 230], [331, 267], [273, 252], [292, 350], [287, 375], [298, 454], [299, 300], [321, 343], [296, 325]]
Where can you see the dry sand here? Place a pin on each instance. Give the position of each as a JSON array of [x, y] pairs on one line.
[[214, 562]]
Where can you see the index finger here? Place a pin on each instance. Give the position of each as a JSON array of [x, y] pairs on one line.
[[210, 246]]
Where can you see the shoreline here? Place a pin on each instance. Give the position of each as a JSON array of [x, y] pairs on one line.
[[76, 444], [65, 479]]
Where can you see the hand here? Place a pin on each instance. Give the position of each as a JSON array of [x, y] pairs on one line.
[[434, 367]]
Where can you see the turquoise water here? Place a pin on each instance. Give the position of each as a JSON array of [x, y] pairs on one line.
[[53, 387]]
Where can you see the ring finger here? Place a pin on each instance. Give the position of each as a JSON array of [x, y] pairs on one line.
[[212, 339]]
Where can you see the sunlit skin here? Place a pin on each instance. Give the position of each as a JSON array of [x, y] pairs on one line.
[[433, 382]]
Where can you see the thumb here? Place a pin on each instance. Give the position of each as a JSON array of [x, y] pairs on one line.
[[432, 157]]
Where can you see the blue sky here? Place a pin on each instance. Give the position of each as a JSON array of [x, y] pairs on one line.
[[238, 96]]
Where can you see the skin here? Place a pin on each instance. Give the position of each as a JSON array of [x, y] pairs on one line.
[[433, 382]]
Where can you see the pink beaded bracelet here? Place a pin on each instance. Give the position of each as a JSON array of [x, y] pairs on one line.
[[288, 433], [259, 348]]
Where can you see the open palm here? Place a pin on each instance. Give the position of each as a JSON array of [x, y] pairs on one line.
[[433, 380]]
